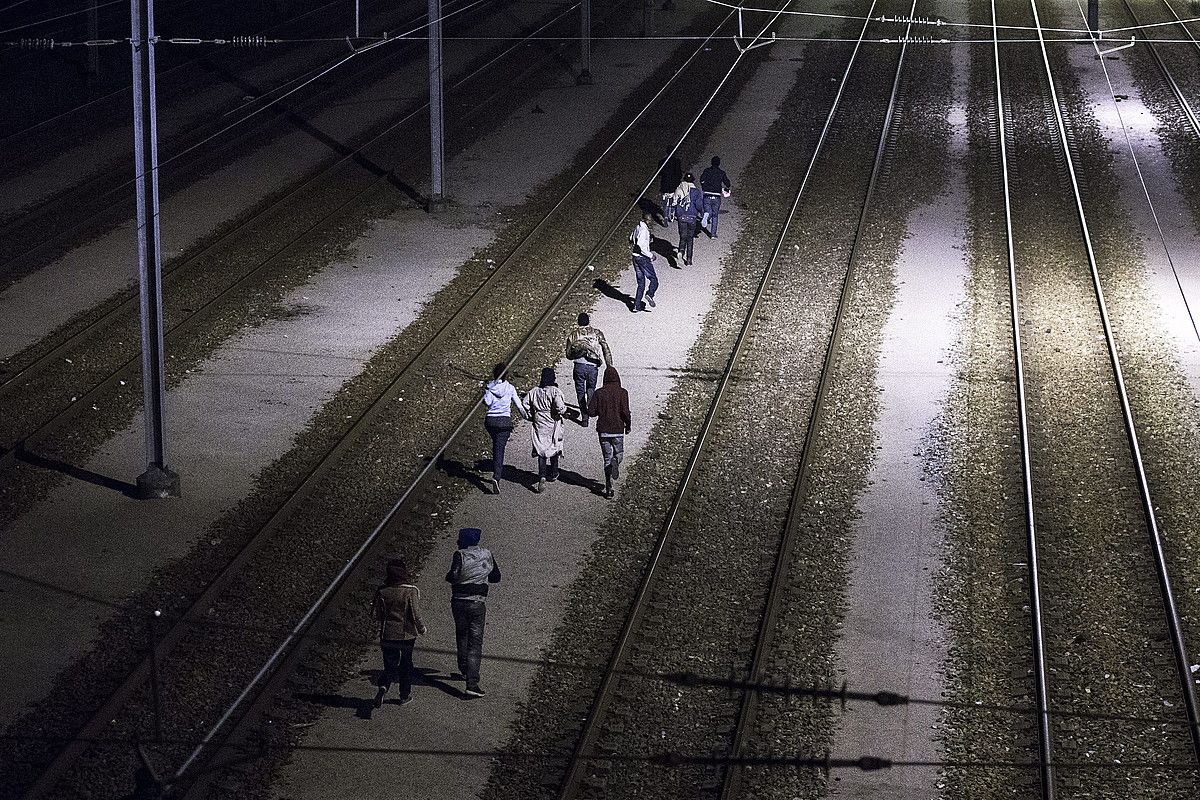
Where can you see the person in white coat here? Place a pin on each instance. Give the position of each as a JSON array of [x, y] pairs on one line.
[[546, 407]]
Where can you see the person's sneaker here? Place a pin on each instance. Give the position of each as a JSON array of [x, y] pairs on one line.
[[457, 676], [541, 485], [379, 695], [405, 700], [495, 486], [584, 420], [475, 692], [609, 493], [650, 300]]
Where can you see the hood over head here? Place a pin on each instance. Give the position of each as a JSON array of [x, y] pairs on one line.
[[397, 572], [468, 537], [548, 378], [612, 377]]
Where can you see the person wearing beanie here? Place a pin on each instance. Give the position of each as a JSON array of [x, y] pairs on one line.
[[472, 568], [588, 349], [715, 185], [612, 423], [397, 610], [546, 407], [688, 202]]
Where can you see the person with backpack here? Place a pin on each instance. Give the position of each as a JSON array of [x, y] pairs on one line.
[[669, 170], [397, 610], [472, 568], [588, 349], [715, 185], [643, 262], [688, 200], [546, 407], [612, 423]]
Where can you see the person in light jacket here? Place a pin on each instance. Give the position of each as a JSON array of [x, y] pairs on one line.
[[500, 396], [611, 402], [588, 349], [397, 610], [643, 263], [471, 570], [546, 407]]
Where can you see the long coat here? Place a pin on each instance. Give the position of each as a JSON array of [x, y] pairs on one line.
[[546, 407]]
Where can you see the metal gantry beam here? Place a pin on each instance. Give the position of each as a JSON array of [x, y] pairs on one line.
[[158, 480], [437, 149]]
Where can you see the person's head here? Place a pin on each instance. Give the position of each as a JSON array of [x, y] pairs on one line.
[[716, 161], [647, 215], [584, 320], [498, 371], [612, 377], [397, 572], [468, 537], [548, 378], [689, 178]]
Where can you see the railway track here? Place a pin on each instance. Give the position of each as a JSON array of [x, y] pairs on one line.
[[100, 362], [1077, 629], [103, 201], [611, 714], [203, 628]]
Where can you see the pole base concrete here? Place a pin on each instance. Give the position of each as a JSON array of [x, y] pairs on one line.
[[157, 483], [437, 204], [585, 78]]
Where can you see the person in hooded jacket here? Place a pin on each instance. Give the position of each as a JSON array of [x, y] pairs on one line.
[[689, 201], [546, 407], [500, 396], [611, 402], [397, 610], [472, 568]]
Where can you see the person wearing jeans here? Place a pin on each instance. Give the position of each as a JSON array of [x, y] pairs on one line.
[[499, 396], [688, 202], [612, 423], [588, 349], [471, 570], [643, 263], [715, 184], [397, 610]]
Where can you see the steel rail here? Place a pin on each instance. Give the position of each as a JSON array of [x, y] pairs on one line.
[[278, 666], [731, 786], [194, 616], [1046, 771], [4, 141], [14, 451], [89, 190], [1188, 113], [589, 736], [1182, 24], [1175, 628]]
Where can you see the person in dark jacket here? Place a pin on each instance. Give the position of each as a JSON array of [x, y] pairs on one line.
[[612, 423], [688, 202], [715, 185], [397, 610], [471, 570]]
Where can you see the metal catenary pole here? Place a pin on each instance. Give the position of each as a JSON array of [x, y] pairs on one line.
[[437, 149], [1093, 12], [585, 43], [93, 33], [158, 480], [356, 19]]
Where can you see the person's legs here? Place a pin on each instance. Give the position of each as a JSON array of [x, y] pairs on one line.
[[406, 668], [691, 241], [606, 451], [477, 615], [552, 470], [639, 271], [499, 431], [590, 375], [712, 204], [653, 276], [461, 611], [617, 443], [579, 375], [391, 664]]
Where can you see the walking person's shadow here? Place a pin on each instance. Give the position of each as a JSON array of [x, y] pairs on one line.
[[665, 249], [608, 290]]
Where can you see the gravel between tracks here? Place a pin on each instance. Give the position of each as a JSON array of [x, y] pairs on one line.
[[1106, 646]]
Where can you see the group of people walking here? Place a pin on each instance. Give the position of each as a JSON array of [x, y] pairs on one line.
[[396, 607], [397, 610], [546, 408]]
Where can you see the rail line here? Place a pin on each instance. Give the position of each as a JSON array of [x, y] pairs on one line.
[[1063, 144], [204, 311], [103, 200], [258, 690], [587, 747], [6, 142]]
